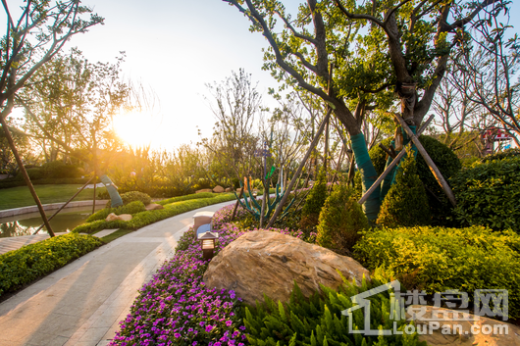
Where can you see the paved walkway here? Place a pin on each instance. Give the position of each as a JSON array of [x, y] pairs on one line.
[[82, 303]]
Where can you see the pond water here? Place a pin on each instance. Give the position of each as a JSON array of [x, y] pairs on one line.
[[26, 224]]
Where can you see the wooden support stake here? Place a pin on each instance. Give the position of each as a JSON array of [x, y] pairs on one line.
[[26, 177], [63, 206], [433, 167], [390, 166], [300, 167]]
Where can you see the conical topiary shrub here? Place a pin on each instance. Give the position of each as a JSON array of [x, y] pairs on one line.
[[313, 203], [341, 221], [406, 203]]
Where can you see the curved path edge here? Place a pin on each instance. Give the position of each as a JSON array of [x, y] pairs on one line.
[[82, 303]]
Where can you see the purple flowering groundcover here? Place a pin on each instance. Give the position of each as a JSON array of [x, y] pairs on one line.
[[176, 308]]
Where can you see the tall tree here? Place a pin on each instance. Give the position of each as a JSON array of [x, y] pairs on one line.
[[403, 48]]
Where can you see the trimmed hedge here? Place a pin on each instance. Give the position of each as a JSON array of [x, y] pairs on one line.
[[489, 195], [436, 259], [22, 266], [133, 196], [187, 197], [147, 217], [131, 208]]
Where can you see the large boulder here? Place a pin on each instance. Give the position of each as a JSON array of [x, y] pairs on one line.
[[461, 332], [218, 189], [122, 217], [269, 262]]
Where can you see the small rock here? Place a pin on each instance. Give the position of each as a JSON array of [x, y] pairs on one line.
[[153, 206], [229, 189], [218, 189], [269, 262], [122, 217], [204, 190]]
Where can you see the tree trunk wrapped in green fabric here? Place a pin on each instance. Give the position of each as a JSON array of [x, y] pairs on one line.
[[368, 175]]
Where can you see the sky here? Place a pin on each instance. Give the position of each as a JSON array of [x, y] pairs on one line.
[[175, 47]]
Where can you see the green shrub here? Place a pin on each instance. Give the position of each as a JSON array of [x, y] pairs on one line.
[[447, 162], [130, 208], [449, 165], [34, 174], [133, 196], [60, 170], [406, 203], [318, 321], [314, 202], [341, 221], [489, 194], [436, 259], [187, 197], [22, 266], [504, 154], [144, 218]]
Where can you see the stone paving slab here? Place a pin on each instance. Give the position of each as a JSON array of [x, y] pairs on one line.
[[104, 232], [83, 302]]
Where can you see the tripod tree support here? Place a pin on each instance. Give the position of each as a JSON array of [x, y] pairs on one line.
[[25, 175], [390, 167], [64, 205], [433, 167]]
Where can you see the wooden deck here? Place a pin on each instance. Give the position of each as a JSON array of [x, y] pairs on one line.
[[14, 243]]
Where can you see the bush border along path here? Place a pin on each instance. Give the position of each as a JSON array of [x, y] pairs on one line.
[[31, 262], [144, 218]]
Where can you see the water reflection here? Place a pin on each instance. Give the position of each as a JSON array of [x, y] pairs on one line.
[[26, 224]]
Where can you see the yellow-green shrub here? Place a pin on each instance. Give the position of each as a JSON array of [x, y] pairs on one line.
[[436, 259]]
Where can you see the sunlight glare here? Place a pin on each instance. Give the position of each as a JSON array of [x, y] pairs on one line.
[[136, 129]]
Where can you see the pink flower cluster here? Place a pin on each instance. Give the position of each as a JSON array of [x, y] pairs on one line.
[[176, 307]]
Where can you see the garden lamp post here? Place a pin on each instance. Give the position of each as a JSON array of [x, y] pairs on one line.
[[207, 242]]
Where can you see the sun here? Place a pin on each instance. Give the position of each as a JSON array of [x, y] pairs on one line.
[[136, 129]]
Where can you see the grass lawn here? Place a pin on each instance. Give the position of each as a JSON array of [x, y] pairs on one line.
[[17, 197]]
